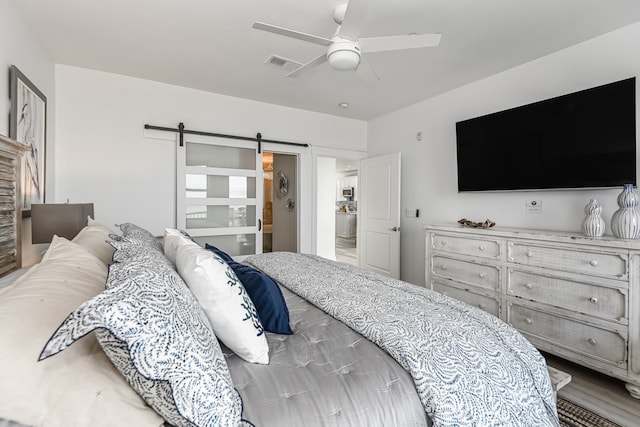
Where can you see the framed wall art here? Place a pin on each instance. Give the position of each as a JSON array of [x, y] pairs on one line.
[[28, 126]]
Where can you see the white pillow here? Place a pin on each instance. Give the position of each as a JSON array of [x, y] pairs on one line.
[[172, 240], [81, 387], [94, 238], [233, 316]]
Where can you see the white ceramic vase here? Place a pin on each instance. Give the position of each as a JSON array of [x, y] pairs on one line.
[[625, 222], [593, 225]]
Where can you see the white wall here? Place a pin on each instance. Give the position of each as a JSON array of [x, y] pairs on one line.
[[429, 180], [285, 220], [20, 48], [103, 157]]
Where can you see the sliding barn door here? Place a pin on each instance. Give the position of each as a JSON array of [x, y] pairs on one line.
[[220, 193]]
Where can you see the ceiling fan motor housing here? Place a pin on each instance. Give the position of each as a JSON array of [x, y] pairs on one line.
[[344, 54]]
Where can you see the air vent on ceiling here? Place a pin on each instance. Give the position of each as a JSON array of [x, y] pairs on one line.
[[281, 62]]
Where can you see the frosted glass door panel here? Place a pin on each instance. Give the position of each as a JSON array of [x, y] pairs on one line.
[[220, 156], [220, 216], [220, 195], [219, 186]]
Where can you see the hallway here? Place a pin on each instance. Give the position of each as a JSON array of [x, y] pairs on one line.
[[346, 251]]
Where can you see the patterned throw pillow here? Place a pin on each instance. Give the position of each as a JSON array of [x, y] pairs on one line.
[[128, 248], [225, 301], [155, 333], [80, 387], [133, 231], [264, 292]]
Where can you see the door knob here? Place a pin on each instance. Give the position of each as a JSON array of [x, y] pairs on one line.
[[394, 229]]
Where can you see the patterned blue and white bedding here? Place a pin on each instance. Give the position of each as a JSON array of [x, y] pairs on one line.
[[468, 367]]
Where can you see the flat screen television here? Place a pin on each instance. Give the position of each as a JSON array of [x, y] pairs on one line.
[[585, 139]]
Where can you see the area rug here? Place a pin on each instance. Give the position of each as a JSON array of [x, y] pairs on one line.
[[572, 415]]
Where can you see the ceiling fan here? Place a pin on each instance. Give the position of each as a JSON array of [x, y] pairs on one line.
[[345, 48]]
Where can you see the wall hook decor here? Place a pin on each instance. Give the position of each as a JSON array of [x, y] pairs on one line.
[[283, 185]]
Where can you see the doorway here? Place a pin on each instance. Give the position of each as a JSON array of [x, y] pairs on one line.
[[346, 207], [280, 206]]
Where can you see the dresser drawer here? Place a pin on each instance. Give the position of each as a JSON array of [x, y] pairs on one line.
[[466, 246], [594, 300], [609, 346], [478, 275], [570, 259], [488, 304]]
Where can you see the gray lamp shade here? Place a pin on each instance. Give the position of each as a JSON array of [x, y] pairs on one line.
[[62, 219]]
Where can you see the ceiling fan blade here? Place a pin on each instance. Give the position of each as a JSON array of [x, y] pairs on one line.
[[410, 41], [291, 33], [353, 17], [366, 73], [313, 63]]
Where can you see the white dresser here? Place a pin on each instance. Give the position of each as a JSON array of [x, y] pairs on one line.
[[570, 295]]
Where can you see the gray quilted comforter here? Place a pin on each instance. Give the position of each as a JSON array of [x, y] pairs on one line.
[[468, 367]]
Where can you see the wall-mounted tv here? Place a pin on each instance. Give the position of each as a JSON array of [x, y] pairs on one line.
[[585, 139]]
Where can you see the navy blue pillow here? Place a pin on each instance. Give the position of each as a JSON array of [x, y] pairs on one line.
[[263, 291]]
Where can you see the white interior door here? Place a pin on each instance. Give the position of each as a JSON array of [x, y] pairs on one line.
[[220, 194], [379, 215]]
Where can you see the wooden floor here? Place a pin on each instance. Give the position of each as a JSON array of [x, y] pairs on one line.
[[346, 250], [599, 393]]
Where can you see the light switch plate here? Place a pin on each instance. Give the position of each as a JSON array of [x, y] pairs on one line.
[[410, 213], [533, 206]]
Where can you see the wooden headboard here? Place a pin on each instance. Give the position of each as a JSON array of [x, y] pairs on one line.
[[10, 205]]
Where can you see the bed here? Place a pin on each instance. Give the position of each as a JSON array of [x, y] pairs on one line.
[[119, 328]]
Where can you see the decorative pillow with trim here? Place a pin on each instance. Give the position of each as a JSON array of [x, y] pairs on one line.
[[264, 292], [136, 232], [156, 334], [80, 387], [128, 248], [225, 301], [172, 240]]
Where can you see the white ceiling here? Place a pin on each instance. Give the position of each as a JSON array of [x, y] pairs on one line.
[[210, 45]]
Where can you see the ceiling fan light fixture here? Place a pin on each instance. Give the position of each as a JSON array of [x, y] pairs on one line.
[[344, 55]]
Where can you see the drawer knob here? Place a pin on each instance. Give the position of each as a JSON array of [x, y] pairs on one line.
[[528, 321], [593, 262], [481, 248], [529, 254], [594, 300], [442, 243], [481, 275], [592, 341], [528, 286], [481, 306], [443, 267]]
